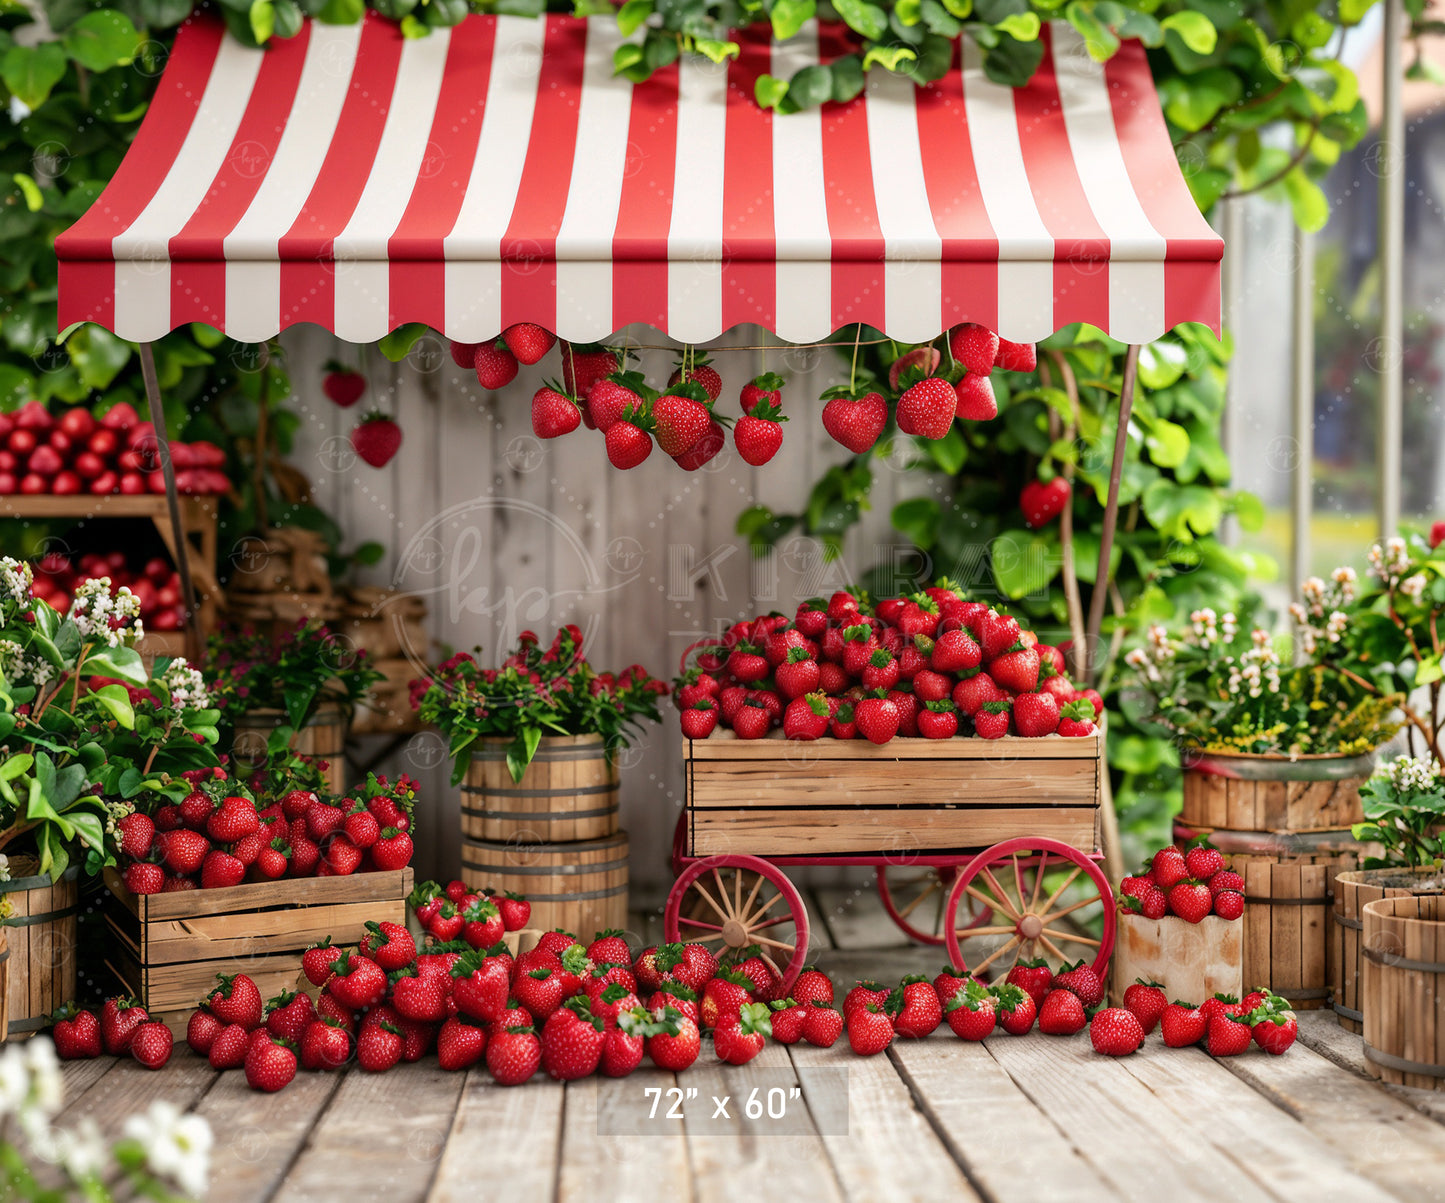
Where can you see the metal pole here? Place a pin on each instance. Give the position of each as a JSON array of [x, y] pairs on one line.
[[1302, 409], [173, 500], [1111, 511], [1232, 230], [1391, 357]]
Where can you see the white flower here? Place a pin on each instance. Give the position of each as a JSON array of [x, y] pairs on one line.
[[1346, 578], [1205, 628], [15, 581], [186, 686], [176, 1146], [4, 867], [1411, 774], [1228, 626], [1413, 587], [47, 1084], [99, 615], [81, 1150], [14, 1080]]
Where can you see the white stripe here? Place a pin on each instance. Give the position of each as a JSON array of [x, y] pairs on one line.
[[253, 299], [201, 159], [1136, 248], [599, 162], [474, 289], [142, 299], [1026, 250], [695, 242], [800, 207], [913, 273]]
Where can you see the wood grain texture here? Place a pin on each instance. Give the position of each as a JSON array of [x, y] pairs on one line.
[[724, 745], [525, 1160], [650, 1165], [1282, 806], [1192, 961]]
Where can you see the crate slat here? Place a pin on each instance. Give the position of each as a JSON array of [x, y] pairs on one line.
[[725, 745]]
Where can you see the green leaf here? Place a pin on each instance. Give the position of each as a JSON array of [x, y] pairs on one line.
[[1023, 26], [349, 12], [122, 662], [918, 519], [102, 40], [521, 750], [30, 190], [398, 344], [867, 20], [1168, 444], [949, 452], [1012, 62], [848, 79], [769, 91], [30, 72], [1249, 512], [717, 51], [1308, 201], [631, 16], [115, 700], [1429, 671], [1024, 567], [1161, 363], [788, 16], [1182, 511], [811, 86], [1194, 30], [890, 57], [1100, 41], [263, 20]]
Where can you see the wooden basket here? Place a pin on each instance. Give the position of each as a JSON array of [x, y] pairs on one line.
[[283, 560], [387, 706], [580, 887], [387, 624], [1240, 792], [1402, 991], [835, 797], [1192, 961], [168, 948], [323, 738], [1353, 892], [568, 793], [41, 938]]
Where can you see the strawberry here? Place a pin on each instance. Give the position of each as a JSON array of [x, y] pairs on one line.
[[1437, 534], [843, 724], [1061, 1014], [235, 999], [317, 961], [1015, 1008], [674, 1041], [1076, 719], [938, 720], [1274, 1026], [379, 1046], [997, 633], [221, 869], [1227, 1036], [974, 399], [390, 945], [462, 354], [480, 985], [926, 409], [695, 965], [723, 997], [270, 1065], [797, 674], [228, 1049], [341, 858], [928, 686], [460, 1044], [915, 1007], [1226, 880], [528, 341], [289, 1014], [913, 365], [787, 1020], [423, 999], [703, 450], [273, 859], [680, 421], [812, 984], [752, 720], [186, 851], [856, 422], [1043, 501], [761, 390], [972, 1012], [141, 877], [361, 827], [1228, 904], [76, 1034], [1016, 669], [496, 367], [759, 435], [699, 721], [393, 851], [541, 991], [1116, 1032], [738, 1039], [1092, 697], [328, 1006], [677, 996], [1204, 861], [947, 983], [955, 651], [881, 671], [516, 911], [325, 1044], [747, 663], [1147, 1001], [870, 1031], [1190, 900], [294, 804], [864, 994], [1034, 977], [376, 439], [1081, 979], [627, 445], [973, 346], [513, 1055], [1168, 867], [359, 981], [807, 717], [1221, 1004], [609, 401], [1182, 1025], [137, 832], [1035, 714], [1016, 357], [699, 372], [554, 413], [623, 1043], [609, 948], [822, 1025], [201, 1031], [583, 366], [483, 925], [877, 719], [970, 694], [342, 385], [992, 720], [151, 1044], [1253, 1001], [765, 983]]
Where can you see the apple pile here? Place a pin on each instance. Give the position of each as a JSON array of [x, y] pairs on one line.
[[156, 585], [77, 453], [928, 665], [1191, 883]]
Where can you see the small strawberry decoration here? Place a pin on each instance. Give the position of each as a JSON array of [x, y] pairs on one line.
[[758, 435], [554, 412], [496, 367], [852, 420], [973, 346], [1016, 357], [698, 370], [528, 341], [342, 384], [627, 444], [681, 418], [376, 439], [1043, 501], [927, 408], [764, 389]]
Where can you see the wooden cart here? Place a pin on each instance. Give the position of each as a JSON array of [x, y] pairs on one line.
[[987, 847]]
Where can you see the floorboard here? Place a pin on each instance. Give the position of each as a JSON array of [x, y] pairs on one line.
[[639, 1168], [514, 1131]]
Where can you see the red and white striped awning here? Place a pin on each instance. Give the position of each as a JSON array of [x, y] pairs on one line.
[[499, 172]]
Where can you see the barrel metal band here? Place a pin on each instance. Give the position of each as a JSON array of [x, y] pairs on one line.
[[590, 751], [47, 917], [20, 1026], [539, 793], [1346, 921], [1321, 992], [1341, 1009], [610, 892], [596, 812], [545, 870], [4, 956], [1394, 962], [1390, 1061]]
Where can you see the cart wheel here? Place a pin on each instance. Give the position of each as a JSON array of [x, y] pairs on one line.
[[731, 903], [916, 896], [1048, 900], [679, 844]]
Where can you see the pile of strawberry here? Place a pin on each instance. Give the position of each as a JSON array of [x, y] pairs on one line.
[[929, 665], [117, 453], [219, 836], [597, 391], [1190, 883], [1225, 1025], [157, 585]]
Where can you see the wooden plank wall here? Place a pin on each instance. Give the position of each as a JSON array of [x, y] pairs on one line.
[[534, 535]]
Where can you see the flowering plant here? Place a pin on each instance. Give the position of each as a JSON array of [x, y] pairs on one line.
[[535, 692], [307, 667], [1404, 809], [82, 721], [161, 1148]]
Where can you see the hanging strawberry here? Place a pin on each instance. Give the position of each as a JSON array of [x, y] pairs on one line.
[[495, 365], [611, 397], [528, 341], [1016, 357], [464, 355], [698, 370], [767, 387], [975, 400], [927, 407], [1043, 501], [758, 435], [704, 449], [554, 413], [854, 421], [342, 384], [681, 417], [584, 364], [973, 346], [627, 444], [376, 439]]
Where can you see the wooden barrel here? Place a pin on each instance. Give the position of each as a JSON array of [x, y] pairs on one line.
[[1242, 792], [568, 793], [4, 985], [1353, 892], [580, 887], [323, 738], [1402, 989], [40, 939]]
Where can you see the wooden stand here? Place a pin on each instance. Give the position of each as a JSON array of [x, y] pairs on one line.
[[1353, 891], [1192, 961], [1265, 798]]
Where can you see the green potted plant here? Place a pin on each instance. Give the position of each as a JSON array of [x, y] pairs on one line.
[[298, 691]]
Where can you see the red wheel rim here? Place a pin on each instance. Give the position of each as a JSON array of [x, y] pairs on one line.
[[918, 894], [1032, 885], [731, 903]]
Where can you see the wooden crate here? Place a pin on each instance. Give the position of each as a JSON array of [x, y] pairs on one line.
[[569, 792], [580, 887], [1402, 990], [834, 797], [168, 948], [41, 935], [1192, 961], [1353, 891]]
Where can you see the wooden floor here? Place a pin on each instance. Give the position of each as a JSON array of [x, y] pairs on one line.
[[1009, 1120]]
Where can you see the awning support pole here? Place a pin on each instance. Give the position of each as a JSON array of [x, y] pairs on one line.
[[173, 500], [1111, 513], [1392, 269]]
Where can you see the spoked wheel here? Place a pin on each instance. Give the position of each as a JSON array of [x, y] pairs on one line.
[[732, 903], [1047, 900], [916, 899]]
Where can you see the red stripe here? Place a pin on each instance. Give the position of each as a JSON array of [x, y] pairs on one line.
[[644, 217], [969, 290], [1191, 277], [749, 287], [308, 281], [416, 250], [1081, 251], [529, 247]]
